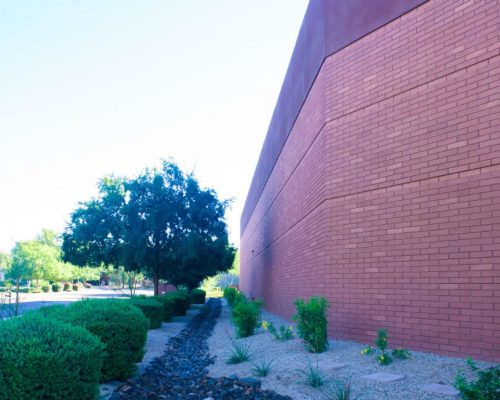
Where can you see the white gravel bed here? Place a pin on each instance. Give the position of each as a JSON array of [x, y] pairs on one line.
[[290, 357]]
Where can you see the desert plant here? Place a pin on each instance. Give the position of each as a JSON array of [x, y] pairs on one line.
[[485, 387], [313, 376], [151, 309], [197, 296], [230, 294], [402, 354], [339, 390], [57, 287], [284, 333], [381, 342], [41, 358], [246, 316], [240, 351], [262, 368], [367, 351], [312, 323]]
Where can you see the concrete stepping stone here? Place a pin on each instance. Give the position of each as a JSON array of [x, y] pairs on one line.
[[438, 388], [337, 366], [384, 377]]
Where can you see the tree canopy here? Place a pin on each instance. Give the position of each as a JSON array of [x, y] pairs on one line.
[[160, 222]]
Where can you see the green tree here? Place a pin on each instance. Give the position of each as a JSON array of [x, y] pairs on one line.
[[161, 222]]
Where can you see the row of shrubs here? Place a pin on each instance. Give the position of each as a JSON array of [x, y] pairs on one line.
[[47, 287], [63, 352]]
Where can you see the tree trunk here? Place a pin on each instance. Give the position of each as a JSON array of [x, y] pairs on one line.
[[17, 296], [156, 282]]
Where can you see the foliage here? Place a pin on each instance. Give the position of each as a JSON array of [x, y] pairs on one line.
[[283, 334], [313, 376], [180, 302], [57, 287], [68, 287], [246, 316], [230, 294], [402, 354], [161, 222], [119, 325], [167, 307], [384, 359], [312, 323], [367, 351], [75, 287], [46, 288], [262, 369], [338, 390], [42, 358], [240, 352], [486, 387], [151, 309], [381, 339], [197, 296]]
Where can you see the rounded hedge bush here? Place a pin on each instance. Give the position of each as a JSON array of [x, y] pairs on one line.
[[46, 288], [197, 296], [167, 305], [67, 287], [118, 324], [76, 288], [180, 303], [42, 358], [151, 309], [57, 287]]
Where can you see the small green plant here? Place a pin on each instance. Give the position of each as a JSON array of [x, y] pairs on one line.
[[246, 316], [367, 351], [240, 352], [76, 288], [384, 359], [312, 323], [313, 376], [381, 342], [262, 368], [486, 387], [230, 294], [46, 288], [402, 354], [283, 334], [339, 390]]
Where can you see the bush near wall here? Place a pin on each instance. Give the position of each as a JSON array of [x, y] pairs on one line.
[[44, 358], [117, 323], [246, 317], [230, 294], [197, 296], [180, 302], [152, 310], [312, 323]]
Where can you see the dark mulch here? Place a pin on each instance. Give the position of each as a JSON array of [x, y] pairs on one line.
[[181, 372]]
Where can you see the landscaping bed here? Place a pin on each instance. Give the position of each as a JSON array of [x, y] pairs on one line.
[[342, 361], [181, 372]]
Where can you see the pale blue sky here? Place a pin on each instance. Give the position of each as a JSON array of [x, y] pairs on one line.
[[93, 87]]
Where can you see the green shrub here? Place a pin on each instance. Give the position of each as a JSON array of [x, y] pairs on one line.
[[120, 326], [151, 309], [76, 288], [230, 294], [167, 305], [87, 285], [43, 358], [35, 290], [486, 387], [46, 288], [197, 296], [312, 323], [283, 334], [246, 317], [180, 303], [57, 287], [67, 287]]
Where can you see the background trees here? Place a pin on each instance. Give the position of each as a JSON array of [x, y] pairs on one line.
[[161, 222]]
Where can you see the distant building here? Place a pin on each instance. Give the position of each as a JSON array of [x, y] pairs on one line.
[[378, 184]]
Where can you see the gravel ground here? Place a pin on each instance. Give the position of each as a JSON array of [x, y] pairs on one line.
[[180, 372], [290, 357]]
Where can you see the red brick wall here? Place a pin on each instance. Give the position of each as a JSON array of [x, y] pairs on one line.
[[386, 195]]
